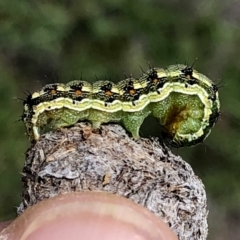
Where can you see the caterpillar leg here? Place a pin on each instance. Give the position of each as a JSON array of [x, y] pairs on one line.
[[97, 117], [132, 121]]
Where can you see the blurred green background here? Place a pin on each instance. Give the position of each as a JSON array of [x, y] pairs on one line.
[[62, 40]]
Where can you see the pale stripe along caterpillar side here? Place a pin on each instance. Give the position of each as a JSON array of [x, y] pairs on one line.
[[184, 101]]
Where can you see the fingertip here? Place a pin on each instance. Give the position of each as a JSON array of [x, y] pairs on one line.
[[88, 215]]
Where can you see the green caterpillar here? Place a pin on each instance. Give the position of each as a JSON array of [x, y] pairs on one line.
[[184, 101]]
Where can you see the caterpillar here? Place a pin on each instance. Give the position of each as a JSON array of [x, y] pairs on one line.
[[184, 101]]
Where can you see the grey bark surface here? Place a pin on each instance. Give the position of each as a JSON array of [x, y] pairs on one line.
[[145, 171]]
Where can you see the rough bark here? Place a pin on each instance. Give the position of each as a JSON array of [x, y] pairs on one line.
[[145, 171]]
